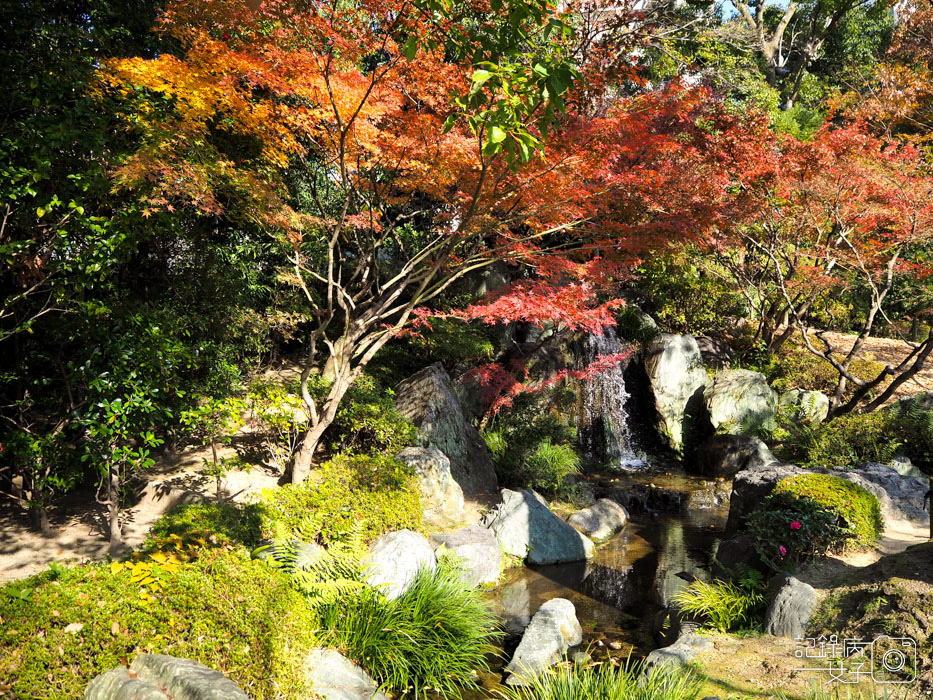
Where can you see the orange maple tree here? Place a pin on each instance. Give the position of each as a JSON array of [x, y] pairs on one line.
[[397, 145]]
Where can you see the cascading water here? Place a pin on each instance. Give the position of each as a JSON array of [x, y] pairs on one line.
[[604, 423]]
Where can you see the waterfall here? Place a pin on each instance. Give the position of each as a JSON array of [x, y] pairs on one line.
[[604, 424]]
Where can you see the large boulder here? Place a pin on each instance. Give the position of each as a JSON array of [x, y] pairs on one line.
[[806, 407], [334, 677], [791, 604], [160, 677], [726, 455], [740, 402], [478, 550], [715, 353], [552, 630], [677, 376], [429, 401], [395, 559], [899, 497], [441, 495], [677, 654], [600, 521], [750, 487], [525, 527]]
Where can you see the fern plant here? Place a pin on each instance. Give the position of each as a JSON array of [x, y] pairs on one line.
[[325, 576]]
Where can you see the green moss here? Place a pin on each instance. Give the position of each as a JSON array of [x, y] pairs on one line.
[[850, 503], [228, 523], [896, 608], [224, 610], [374, 493]]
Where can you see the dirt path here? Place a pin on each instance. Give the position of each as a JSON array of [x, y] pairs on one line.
[[888, 351], [79, 524]]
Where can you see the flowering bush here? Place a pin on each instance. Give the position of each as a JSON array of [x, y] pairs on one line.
[[812, 514]]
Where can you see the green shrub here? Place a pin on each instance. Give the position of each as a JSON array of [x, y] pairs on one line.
[[367, 421], [533, 449], [548, 466], [688, 291], [607, 682], [843, 442], [228, 523], [435, 635], [375, 493], [814, 514], [795, 367], [230, 613], [721, 604]]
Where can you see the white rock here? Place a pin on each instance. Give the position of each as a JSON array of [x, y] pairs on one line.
[[395, 559]]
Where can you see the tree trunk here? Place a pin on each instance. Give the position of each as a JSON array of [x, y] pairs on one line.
[[301, 467], [216, 470], [40, 519], [113, 494]]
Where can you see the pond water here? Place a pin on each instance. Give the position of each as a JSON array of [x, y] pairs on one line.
[[676, 522]]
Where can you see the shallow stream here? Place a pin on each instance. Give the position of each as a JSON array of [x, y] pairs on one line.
[[676, 522]]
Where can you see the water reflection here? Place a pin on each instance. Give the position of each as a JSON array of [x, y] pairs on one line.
[[633, 576]]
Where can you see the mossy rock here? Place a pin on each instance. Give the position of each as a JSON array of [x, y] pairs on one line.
[[855, 506]]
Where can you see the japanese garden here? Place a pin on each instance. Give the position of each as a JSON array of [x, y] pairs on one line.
[[470, 349]]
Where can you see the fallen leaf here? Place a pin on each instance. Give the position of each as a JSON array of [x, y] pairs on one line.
[[115, 628], [74, 628]]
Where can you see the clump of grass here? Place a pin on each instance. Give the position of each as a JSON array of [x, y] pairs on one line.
[[435, 635], [721, 604], [608, 682]]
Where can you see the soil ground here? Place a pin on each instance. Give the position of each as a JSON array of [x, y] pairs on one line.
[[889, 351]]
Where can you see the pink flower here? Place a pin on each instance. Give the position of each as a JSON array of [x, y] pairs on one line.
[[795, 525], [783, 550]]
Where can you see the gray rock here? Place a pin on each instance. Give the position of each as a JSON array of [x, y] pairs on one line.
[[715, 353], [792, 603], [553, 629], [750, 487], [118, 684], [801, 406], [441, 495], [736, 551], [479, 551], [726, 455], [677, 376], [160, 677], [714, 495], [903, 466], [184, 679], [677, 654], [525, 527], [600, 521], [395, 559], [740, 402], [429, 401], [333, 677], [899, 497]]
